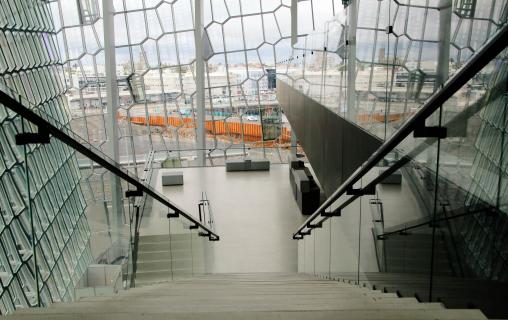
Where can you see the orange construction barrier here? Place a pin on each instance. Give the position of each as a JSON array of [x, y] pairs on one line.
[[251, 132], [380, 117], [159, 121]]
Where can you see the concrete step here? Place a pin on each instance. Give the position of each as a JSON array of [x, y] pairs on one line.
[[166, 254], [165, 246], [260, 298], [245, 296], [165, 242], [163, 275], [259, 293], [167, 264], [386, 314], [232, 305], [163, 238]]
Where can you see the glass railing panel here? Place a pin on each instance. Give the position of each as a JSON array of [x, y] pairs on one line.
[[198, 244], [322, 250], [473, 154], [436, 206], [181, 249], [472, 188], [301, 256], [347, 246], [335, 246], [385, 235], [167, 249], [308, 254], [400, 214]]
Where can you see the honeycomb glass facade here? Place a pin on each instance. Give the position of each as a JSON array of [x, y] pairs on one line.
[[155, 65], [378, 68], [44, 233]]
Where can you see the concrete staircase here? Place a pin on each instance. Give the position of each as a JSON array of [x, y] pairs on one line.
[[248, 296]]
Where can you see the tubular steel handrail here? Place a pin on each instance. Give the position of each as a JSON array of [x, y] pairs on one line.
[[480, 59], [47, 124]]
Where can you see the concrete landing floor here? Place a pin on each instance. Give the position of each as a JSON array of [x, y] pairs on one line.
[[255, 216]]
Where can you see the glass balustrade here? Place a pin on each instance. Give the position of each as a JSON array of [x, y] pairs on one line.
[[435, 227]]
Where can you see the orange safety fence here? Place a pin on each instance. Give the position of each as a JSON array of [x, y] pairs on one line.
[[159, 121], [380, 117], [251, 131]]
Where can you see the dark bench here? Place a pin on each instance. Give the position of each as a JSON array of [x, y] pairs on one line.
[[305, 189]]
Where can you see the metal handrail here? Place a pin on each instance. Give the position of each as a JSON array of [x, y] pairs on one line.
[[48, 124], [480, 59]]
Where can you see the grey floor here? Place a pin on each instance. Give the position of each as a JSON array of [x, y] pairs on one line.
[[255, 216]]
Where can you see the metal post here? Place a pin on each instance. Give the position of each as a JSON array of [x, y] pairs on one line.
[[200, 83], [445, 27], [294, 22], [351, 61], [112, 107]]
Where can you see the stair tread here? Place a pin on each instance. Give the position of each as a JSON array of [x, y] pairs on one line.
[[248, 296], [388, 314]]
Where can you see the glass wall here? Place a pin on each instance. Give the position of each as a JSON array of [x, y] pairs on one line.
[[43, 228], [155, 59], [376, 64]]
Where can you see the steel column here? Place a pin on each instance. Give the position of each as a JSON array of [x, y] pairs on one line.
[[352, 10], [112, 108], [199, 31], [294, 22]]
